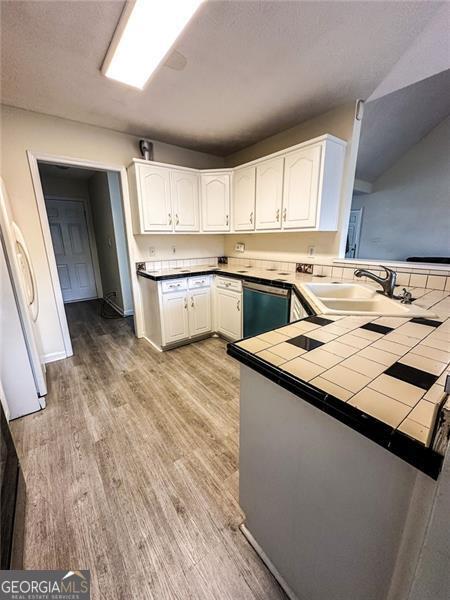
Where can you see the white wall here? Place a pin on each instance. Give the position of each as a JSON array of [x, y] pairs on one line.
[[293, 246], [408, 212], [24, 130], [123, 262], [105, 237]]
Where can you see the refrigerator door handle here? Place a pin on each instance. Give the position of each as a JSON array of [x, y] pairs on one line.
[[27, 267]]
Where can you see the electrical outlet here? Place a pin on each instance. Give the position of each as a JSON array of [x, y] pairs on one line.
[[152, 251], [174, 249], [239, 247], [311, 251]]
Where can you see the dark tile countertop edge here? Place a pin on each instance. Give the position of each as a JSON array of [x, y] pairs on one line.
[[425, 459], [287, 285]]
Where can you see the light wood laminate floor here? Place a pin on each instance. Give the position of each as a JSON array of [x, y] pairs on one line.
[[132, 469]]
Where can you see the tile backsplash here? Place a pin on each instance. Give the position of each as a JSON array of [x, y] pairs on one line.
[[406, 276]]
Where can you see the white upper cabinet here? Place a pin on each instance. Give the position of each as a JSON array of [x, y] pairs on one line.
[[269, 192], [185, 200], [154, 198], [215, 201], [301, 188], [244, 190]]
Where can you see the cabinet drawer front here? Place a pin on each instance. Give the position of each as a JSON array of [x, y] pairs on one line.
[[173, 285], [199, 282], [229, 284]]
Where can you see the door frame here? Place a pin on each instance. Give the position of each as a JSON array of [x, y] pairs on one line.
[[33, 159], [91, 236], [358, 232]]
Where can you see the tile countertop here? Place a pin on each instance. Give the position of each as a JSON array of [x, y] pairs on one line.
[[384, 376]]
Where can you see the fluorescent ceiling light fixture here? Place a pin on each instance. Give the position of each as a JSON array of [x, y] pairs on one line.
[[146, 32]]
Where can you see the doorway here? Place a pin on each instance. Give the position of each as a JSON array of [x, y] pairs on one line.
[[354, 233], [86, 223]]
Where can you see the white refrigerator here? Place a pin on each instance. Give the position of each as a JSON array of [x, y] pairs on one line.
[[22, 369]]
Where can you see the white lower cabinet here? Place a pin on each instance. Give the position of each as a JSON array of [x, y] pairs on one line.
[[200, 321], [229, 308], [174, 316], [186, 311]]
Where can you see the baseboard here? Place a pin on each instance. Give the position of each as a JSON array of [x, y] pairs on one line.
[[54, 356], [269, 564], [151, 343], [115, 306]]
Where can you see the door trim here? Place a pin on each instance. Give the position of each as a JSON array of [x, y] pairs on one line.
[[91, 235], [33, 158]]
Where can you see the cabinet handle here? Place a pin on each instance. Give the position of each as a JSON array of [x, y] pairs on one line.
[[238, 305], [251, 218], [174, 285], [170, 219], [192, 301], [277, 216], [177, 220], [227, 220], [284, 214], [227, 284], [185, 304]]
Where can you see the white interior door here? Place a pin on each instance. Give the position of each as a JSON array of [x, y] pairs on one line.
[[354, 232], [69, 231]]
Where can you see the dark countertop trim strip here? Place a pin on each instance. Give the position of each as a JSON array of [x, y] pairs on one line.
[[286, 285], [411, 451]]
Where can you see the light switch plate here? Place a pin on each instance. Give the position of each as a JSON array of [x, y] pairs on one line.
[[239, 247]]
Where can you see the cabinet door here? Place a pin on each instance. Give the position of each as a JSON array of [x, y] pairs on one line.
[[269, 189], [185, 200], [175, 323], [244, 190], [216, 202], [229, 314], [301, 188], [199, 311], [154, 198]]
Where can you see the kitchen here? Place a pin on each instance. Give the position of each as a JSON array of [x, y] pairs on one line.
[[235, 236]]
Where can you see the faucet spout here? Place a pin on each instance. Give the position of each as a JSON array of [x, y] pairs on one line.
[[387, 283]]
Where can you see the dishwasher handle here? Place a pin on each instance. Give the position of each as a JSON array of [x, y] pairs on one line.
[[266, 289]]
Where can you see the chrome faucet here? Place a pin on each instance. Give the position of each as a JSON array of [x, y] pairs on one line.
[[387, 283]]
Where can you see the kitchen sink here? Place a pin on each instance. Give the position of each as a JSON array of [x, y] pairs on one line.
[[357, 299]]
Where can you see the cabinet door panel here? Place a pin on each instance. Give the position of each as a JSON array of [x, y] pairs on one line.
[[185, 200], [200, 312], [175, 324], [229, 314], [216, 202], [301, 188], [244, 190], [155, 207], [269, 189]]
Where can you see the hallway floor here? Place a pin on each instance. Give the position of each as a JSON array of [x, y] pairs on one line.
[[132, 469]]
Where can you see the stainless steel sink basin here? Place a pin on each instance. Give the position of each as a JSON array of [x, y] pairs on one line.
[[357, 299]]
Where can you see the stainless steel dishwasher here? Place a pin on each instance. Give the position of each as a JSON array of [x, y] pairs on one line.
[[266, 307]]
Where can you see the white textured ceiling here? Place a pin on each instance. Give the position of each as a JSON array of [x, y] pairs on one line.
[[394, 123], [253, 67]]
